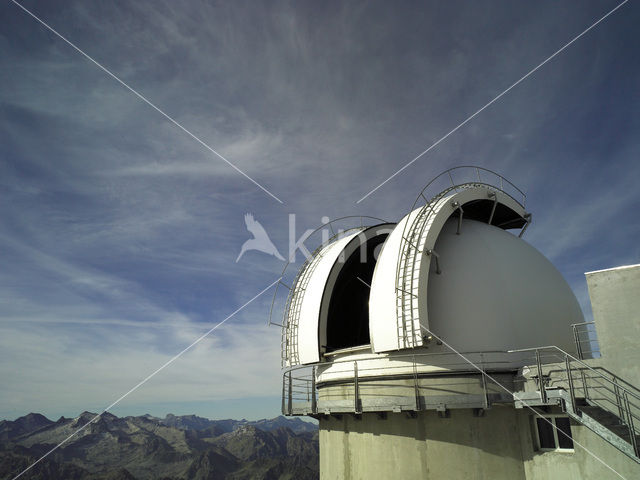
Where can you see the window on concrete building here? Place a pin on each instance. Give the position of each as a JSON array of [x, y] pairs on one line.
[[550, 438]]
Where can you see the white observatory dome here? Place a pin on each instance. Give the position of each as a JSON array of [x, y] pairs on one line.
[[449, 269]]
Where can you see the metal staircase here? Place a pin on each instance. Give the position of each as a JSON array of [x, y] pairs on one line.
[[593, 397]]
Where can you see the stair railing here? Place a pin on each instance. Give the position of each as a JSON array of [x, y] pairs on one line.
[[597, 388], [584, 336]]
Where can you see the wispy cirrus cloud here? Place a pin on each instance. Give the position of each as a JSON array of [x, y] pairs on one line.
[[119, 233]]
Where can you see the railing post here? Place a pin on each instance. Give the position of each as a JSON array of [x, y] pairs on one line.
[[585, 389], [485, 391], [616, 389], [632, 430], [314, 402], [576, 338], [290, 395], [284, 380], [416, 389], [543, 390], [355, 388], [572, 393]]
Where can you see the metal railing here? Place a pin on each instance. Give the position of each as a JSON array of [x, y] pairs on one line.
[[357, 379], [559, 369], [465, 174], [364, 384], [584, 336]]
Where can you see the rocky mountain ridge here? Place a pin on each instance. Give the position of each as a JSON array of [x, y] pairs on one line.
[[146, 447]]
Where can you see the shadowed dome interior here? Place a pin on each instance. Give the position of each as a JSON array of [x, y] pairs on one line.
[[348, 316]]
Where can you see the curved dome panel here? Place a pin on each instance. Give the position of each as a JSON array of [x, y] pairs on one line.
[[496, 292], [398, 305], [304, 314], [328, 305]]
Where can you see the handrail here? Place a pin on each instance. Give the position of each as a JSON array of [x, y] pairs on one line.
[[578, 332], [434, 354], [618, 379], [581, 380], [401, 356], [302, 387], [620, 395], [478, 169], [566, 354]]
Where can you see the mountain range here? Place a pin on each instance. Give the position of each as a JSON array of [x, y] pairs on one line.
[[171, 448]]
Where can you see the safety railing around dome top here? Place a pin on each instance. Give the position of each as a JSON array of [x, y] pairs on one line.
[[584, 335], [471, 174], [412, 248], [596, 387], [300, 390]]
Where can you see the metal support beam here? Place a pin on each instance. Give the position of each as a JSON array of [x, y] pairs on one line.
[[493, 208], [437, 257], [457, 206], [527, 218]]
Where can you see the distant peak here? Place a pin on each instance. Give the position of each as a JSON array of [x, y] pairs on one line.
[[33, 416], [85, 413]]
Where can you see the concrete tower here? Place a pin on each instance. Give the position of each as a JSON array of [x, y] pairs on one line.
[[412, 345]]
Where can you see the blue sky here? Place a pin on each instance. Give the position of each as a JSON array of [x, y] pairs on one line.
[[119, 232]]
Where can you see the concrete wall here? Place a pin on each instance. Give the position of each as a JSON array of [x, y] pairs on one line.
[[426, 447], [499, 445], [615, 301]]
